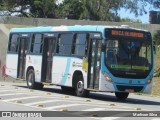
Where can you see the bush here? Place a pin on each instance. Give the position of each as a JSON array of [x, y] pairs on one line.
[[157, 73], [156, 37]]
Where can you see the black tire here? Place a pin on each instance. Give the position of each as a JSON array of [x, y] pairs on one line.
[[31, 81], [67, 89], [79, 87], [121, 95]]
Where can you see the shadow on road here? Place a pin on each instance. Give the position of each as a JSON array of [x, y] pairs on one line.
[[100, 96]]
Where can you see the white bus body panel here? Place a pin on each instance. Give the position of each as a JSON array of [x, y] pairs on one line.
[[105, 85], [63, 69], [35, 61], [76, 65], [11, 65], [58, 69]]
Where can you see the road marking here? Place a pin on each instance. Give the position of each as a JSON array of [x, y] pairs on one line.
[[41, 102], [13, 89], [11, 94], [61, 106], [21, 98], [2, 88], [5, 90]]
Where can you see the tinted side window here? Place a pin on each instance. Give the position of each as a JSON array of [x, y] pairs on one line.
[[37, 41], [13, 43], [65, 44], [80, 44]]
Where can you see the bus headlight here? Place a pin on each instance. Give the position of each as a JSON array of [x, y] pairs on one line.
[[149, 80], [107, 77]]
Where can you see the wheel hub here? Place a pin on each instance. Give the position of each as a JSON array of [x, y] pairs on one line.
[[30, 79], [80, 86]]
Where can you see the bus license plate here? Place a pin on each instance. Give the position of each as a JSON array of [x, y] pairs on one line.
[[129, 90]]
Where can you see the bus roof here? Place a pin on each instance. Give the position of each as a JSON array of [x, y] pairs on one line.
[[71, 28]]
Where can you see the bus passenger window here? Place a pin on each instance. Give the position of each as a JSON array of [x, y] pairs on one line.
[[74, 44], [65, 44], [37, 41], [80, 45], [13, 43]]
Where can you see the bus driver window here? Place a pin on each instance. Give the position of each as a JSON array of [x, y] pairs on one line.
[[111, 52]]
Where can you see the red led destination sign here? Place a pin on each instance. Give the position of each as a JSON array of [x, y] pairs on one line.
[[127, 33]]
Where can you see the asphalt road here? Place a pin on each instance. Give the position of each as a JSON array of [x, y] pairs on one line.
[[51, 101]]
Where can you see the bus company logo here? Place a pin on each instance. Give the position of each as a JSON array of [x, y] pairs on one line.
[[74, 64], [6, 114]]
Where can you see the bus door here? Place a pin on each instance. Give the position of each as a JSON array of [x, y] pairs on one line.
[[94, 63], [47, 57], [22, 51]]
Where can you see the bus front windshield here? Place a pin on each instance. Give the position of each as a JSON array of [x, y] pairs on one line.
[[128, 58]]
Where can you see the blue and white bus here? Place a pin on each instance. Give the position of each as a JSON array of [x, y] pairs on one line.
[[86, 58]]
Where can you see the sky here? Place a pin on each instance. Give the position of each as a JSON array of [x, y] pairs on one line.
[[144, 18], [126, 14]]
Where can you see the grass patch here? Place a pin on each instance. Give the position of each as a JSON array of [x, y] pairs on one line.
[[156, 86], [158, 52]]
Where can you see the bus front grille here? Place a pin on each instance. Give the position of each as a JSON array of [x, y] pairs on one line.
[[124, 88]]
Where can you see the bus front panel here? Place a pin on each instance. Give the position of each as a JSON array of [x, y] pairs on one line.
[[127, 61]]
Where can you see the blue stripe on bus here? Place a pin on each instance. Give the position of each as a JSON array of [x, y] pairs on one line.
[[64, 79]]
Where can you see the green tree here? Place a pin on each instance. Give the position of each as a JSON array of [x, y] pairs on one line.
[[85, 9], [43, 8], [15, 6], [70, 9], [29, 8], [108, 9], [154, 3], [130, 20], [76, 9]]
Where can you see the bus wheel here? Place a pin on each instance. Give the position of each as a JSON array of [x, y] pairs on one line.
[[79, 87], [121, 95], [31, 81]]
